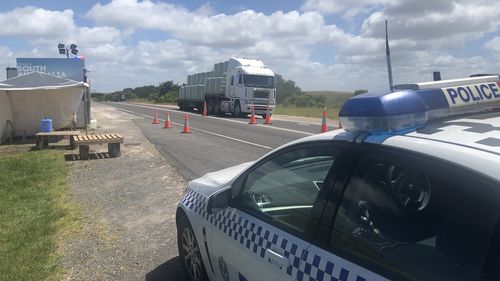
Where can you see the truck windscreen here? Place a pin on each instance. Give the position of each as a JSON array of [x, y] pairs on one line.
[[258, 81]]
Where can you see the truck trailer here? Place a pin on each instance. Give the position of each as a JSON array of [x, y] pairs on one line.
[[233, 86]]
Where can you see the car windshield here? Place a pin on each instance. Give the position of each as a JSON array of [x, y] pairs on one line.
[[258, 81]]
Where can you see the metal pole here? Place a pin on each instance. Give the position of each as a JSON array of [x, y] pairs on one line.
[[85, 109], [388, 54]]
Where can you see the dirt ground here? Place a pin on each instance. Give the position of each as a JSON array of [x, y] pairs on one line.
[[128, 209]]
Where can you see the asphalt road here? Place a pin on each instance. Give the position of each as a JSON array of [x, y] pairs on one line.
[[215, 142]]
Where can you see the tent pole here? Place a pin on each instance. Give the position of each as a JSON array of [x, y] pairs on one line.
[[85, 109]]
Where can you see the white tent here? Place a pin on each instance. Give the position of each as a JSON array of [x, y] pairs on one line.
[[27, 99]]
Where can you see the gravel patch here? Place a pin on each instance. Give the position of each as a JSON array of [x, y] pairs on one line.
[[128, 209]]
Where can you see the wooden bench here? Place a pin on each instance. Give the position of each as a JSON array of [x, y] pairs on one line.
[[83, 142], [42, 138]]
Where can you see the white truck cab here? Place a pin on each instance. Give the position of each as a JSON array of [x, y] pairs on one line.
[[250, 83], [234, 86]]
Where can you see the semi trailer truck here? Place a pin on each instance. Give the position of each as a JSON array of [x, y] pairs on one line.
[[233, 86]]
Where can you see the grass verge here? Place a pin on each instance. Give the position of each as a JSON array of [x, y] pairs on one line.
[[140, 100], [333, 100], [333, 112], [34, 214]]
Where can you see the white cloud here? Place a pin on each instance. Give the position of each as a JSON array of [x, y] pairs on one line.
[[494, 44], [220, 30], [6, 52], [351, 7], [147, 62], [144, 14], [96, 35], [45, 28], [32, 21], [455, 21]]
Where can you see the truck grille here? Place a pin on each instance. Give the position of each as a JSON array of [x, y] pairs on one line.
[[261, 94], [258, 102]]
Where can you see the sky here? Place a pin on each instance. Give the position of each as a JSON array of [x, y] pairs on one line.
[[320, 44]]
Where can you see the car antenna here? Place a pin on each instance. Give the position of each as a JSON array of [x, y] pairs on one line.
[[388, 54]]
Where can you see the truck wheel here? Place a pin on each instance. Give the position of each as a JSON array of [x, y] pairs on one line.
[[189, 252], [210, 107], [216, 107], [237, 109]]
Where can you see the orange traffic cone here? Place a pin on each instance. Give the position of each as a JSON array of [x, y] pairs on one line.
[[205, 111], [155, 119], [167, 125], [253, 120], [324, 127], [268, 116], [186, 129]]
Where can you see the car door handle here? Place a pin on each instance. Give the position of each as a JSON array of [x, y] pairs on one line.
[[277, 259]]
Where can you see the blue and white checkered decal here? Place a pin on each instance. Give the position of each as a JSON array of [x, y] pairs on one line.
[[257, 240], [316, 268]]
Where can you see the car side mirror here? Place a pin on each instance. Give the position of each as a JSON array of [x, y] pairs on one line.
[[219, 200]]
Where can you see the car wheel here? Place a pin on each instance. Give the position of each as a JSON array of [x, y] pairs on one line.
[[237, 109], [189, 251]]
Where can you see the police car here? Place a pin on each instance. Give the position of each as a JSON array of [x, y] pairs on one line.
[[409, 189]]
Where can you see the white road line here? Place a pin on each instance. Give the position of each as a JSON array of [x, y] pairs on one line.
[[135, 113], [224, 119], [200, 130], [231, 138], [264, 126]]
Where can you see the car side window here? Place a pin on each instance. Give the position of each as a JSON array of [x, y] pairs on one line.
[[284, 188], [422, 224]]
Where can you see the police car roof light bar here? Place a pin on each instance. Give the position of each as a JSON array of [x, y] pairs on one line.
[[391, 112], [447, 83]]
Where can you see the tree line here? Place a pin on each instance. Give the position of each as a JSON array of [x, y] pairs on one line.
[[165, 92], [287, 93]]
